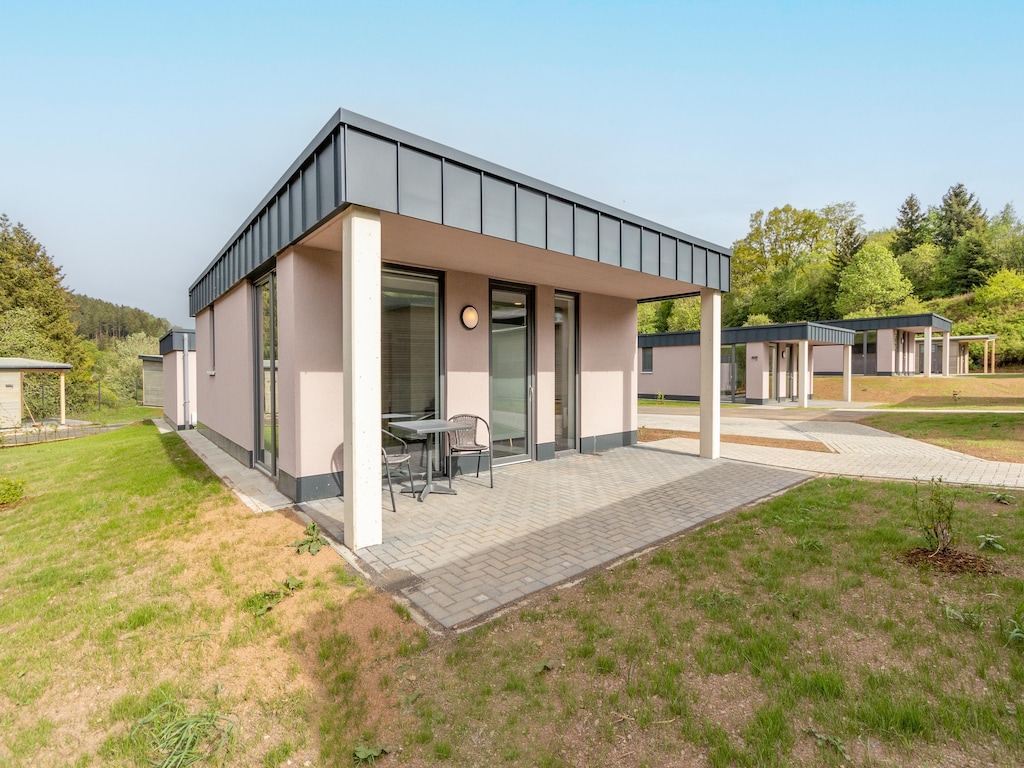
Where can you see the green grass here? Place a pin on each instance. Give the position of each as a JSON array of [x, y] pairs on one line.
[[746, 644], [993, 436], [124, 414]]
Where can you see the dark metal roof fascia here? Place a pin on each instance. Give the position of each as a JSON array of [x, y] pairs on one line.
[[937, 322], [370, 125], [174, 340], [818, 333], [359, 122]]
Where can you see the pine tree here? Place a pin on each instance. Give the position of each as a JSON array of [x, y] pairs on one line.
[[959, 214], [37, 309], [910, 231]]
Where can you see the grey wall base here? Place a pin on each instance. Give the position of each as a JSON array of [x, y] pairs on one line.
[[311, 487], [545, 451], [230, 447], [604, 442]]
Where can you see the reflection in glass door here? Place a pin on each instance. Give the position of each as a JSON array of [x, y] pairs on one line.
[[511, 384], [266, 373], [565, 372]]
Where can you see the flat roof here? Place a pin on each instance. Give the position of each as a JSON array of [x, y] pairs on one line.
[[902, 322], [355, 160], [815, 333], [27, 364]]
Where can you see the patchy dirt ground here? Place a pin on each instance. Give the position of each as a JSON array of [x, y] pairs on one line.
[[649, 435]]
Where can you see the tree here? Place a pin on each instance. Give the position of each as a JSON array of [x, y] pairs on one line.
[[910, 229], [1003, 291], [873, 283], [120, 368], [685, 315], [920, 266], [37, 310], [969, 264], [959, 214]]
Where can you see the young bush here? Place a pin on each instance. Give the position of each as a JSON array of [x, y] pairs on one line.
[[936, 516], [11, 490]]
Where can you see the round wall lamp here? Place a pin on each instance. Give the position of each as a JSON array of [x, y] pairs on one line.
[[470, 317]]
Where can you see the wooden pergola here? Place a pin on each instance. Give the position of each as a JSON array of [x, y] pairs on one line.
[[22, 365]]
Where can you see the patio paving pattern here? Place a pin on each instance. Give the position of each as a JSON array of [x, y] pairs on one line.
[[459, 558]]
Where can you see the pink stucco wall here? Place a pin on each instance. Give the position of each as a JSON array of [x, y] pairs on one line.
[[225, 385], [757, 371], [174, 388], [608, 362], [310, 379], [676, 372], [467, 351]]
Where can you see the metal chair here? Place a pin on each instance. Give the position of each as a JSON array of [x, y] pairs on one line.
[[462, 442], [398, 456]]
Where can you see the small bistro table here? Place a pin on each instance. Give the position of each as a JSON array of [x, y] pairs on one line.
[[425, 428]]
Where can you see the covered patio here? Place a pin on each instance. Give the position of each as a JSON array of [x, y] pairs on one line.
[[386, 273]]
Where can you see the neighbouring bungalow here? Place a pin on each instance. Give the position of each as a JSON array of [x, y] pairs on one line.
[[178, 377], [388, 274], [759, 364], [888, 346]]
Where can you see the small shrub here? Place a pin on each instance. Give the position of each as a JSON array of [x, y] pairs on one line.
[[365, 754], [11, 490], [1001, 498], [313, 543], [988, 541], [936, 516]]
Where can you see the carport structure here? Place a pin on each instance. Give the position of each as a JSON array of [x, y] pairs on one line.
[[386, 273], [12, 370]]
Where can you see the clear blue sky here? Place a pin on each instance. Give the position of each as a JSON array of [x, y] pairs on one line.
[[136, 136]]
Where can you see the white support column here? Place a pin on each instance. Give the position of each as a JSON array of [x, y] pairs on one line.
[[361, 263], [803, 373], [945, 353], [63, 401], [847, 373], [710, 373], [927, 353]]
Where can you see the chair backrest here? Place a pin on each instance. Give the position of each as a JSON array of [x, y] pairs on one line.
[[392, 444], [465, 436]]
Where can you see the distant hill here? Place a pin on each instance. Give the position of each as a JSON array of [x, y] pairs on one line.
[[102, 321]]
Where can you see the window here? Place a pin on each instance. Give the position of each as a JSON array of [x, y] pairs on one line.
[[646, 359], [213, 339]]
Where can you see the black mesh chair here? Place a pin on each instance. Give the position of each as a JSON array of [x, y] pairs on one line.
[[462, 442], [393, 456]]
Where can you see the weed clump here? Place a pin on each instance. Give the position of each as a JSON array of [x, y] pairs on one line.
[[11, 490]]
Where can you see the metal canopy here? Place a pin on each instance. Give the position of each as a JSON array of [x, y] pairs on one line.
[[355, 160], [26, 364], [815, 333], [902, 322]]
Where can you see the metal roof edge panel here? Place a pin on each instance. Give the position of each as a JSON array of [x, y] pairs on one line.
[[369, 125]]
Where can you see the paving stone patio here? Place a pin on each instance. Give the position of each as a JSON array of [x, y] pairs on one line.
[[459, 558]]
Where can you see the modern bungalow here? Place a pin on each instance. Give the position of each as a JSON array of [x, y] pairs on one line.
[[387, 276], [888, 346], [759, 364]]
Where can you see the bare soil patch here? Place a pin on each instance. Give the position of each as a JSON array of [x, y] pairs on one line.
[[649, 435]]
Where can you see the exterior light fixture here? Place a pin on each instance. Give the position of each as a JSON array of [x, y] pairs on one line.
[[470, 317]]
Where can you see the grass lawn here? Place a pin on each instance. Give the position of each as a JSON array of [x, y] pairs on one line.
[[787, 634], [129, 583], [121, 415], [992, 391], [993, 436]]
